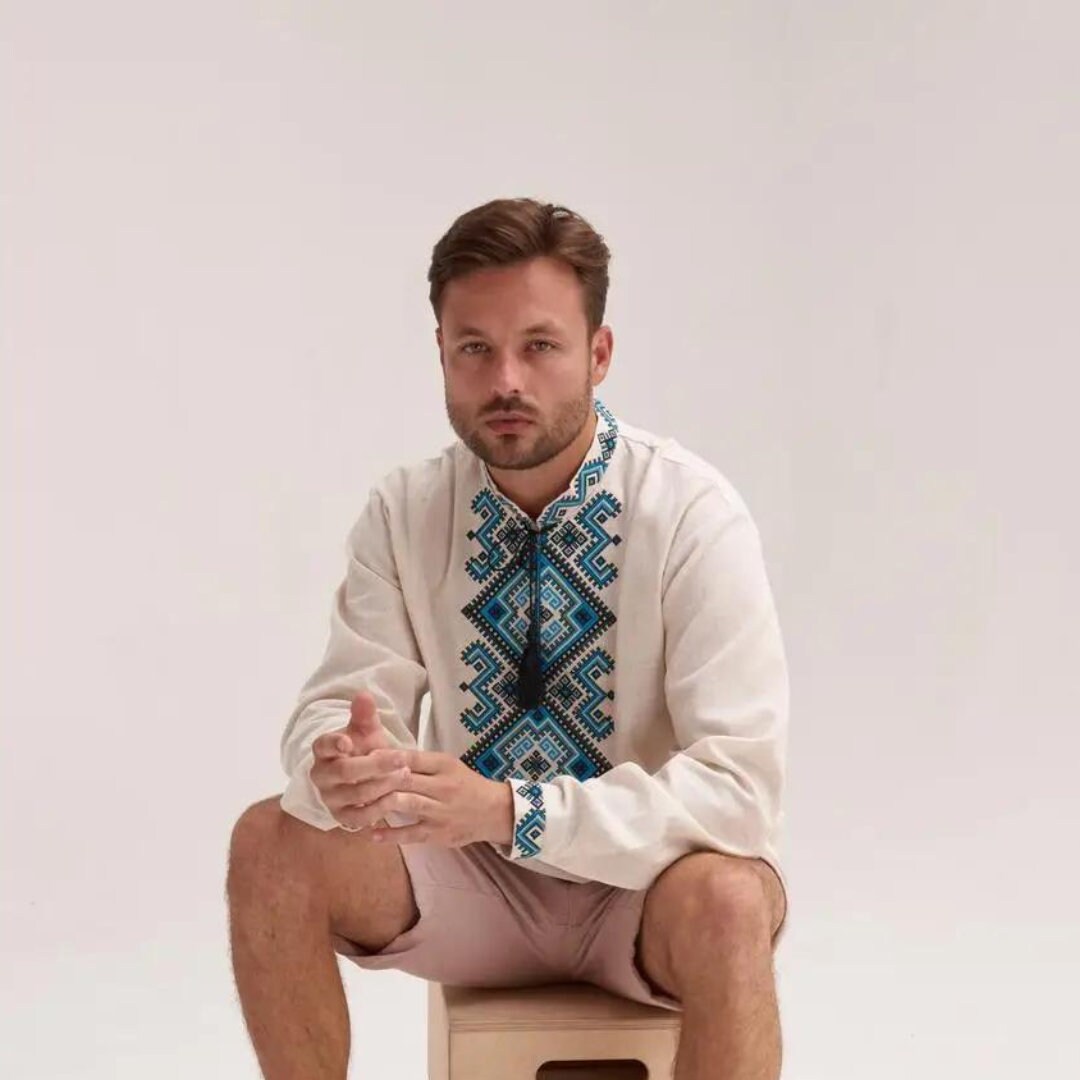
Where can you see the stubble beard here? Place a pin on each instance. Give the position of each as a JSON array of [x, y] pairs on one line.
[[539, 442]]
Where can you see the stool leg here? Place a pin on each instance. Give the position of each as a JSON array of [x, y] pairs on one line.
[[438, 1034]]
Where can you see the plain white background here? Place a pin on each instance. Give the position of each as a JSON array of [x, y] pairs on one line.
[[845, 270]]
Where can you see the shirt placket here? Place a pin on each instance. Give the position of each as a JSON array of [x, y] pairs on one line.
[[531, 664]]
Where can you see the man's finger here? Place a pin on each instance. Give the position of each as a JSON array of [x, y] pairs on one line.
[[367, 792], [327, 746], [369, 766], [427, 761], [402, 802], [425, 784], [363, 716], [402, 834]]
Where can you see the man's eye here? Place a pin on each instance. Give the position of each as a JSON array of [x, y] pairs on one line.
[[471, 347]]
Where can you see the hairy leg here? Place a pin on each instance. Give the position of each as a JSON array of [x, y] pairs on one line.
[[294, 892], [706, 939]]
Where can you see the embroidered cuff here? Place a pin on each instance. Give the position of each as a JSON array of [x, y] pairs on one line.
[[530, 818]]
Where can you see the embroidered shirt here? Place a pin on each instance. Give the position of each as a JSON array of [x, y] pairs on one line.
[[653, 718]]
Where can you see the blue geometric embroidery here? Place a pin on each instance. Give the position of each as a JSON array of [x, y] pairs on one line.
[[531, 826], [561, 735]]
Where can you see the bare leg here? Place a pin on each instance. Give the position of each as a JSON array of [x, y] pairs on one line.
[[731, 1023], [707, 939], [292, 889]]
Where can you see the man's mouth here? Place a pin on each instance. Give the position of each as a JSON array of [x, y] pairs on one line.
[[516, 423]]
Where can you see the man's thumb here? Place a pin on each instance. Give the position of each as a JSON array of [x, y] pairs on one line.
[[363, 717]]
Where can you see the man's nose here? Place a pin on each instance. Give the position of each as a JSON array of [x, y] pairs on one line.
[[507, 372]]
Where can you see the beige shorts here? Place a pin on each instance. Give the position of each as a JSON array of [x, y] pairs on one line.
[[485, 921]]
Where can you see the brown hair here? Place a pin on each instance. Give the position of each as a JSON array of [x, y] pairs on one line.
[[506, 231]]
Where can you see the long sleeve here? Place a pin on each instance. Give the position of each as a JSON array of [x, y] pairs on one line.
[[726, 690], [371, 647]]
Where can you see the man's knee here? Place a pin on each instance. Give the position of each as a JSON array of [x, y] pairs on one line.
[[709, 893], [257, 825], [363, 887], [264, 840], [271, 848]]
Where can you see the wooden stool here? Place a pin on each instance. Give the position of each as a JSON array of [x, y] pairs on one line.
[[508, 1034]]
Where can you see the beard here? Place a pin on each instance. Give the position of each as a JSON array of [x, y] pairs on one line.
[[536, 444]]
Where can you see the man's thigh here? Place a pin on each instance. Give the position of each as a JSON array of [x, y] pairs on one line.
[[371, 894]]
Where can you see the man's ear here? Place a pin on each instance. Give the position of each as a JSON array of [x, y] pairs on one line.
[[603, 345]]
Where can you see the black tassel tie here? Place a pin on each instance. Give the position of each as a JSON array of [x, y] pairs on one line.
[[531, 667]]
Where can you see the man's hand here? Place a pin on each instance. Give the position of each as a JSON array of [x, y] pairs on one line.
[[356, 764], [453, 804]]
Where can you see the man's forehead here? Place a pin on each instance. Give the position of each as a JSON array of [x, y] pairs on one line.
[[475, 328]]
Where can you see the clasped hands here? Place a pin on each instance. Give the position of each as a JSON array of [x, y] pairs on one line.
[[361, 776]]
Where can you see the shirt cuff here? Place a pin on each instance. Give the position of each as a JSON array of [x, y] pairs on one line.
[[301, 797], [531, 821]]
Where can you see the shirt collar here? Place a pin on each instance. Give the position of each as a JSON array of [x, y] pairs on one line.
[[589, 473]]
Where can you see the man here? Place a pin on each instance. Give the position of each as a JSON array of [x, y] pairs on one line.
[[597, 793]]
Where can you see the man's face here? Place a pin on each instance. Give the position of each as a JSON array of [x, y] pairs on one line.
[[515, 339]]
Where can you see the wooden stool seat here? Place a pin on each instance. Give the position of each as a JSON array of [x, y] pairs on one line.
[[509, 1034]]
